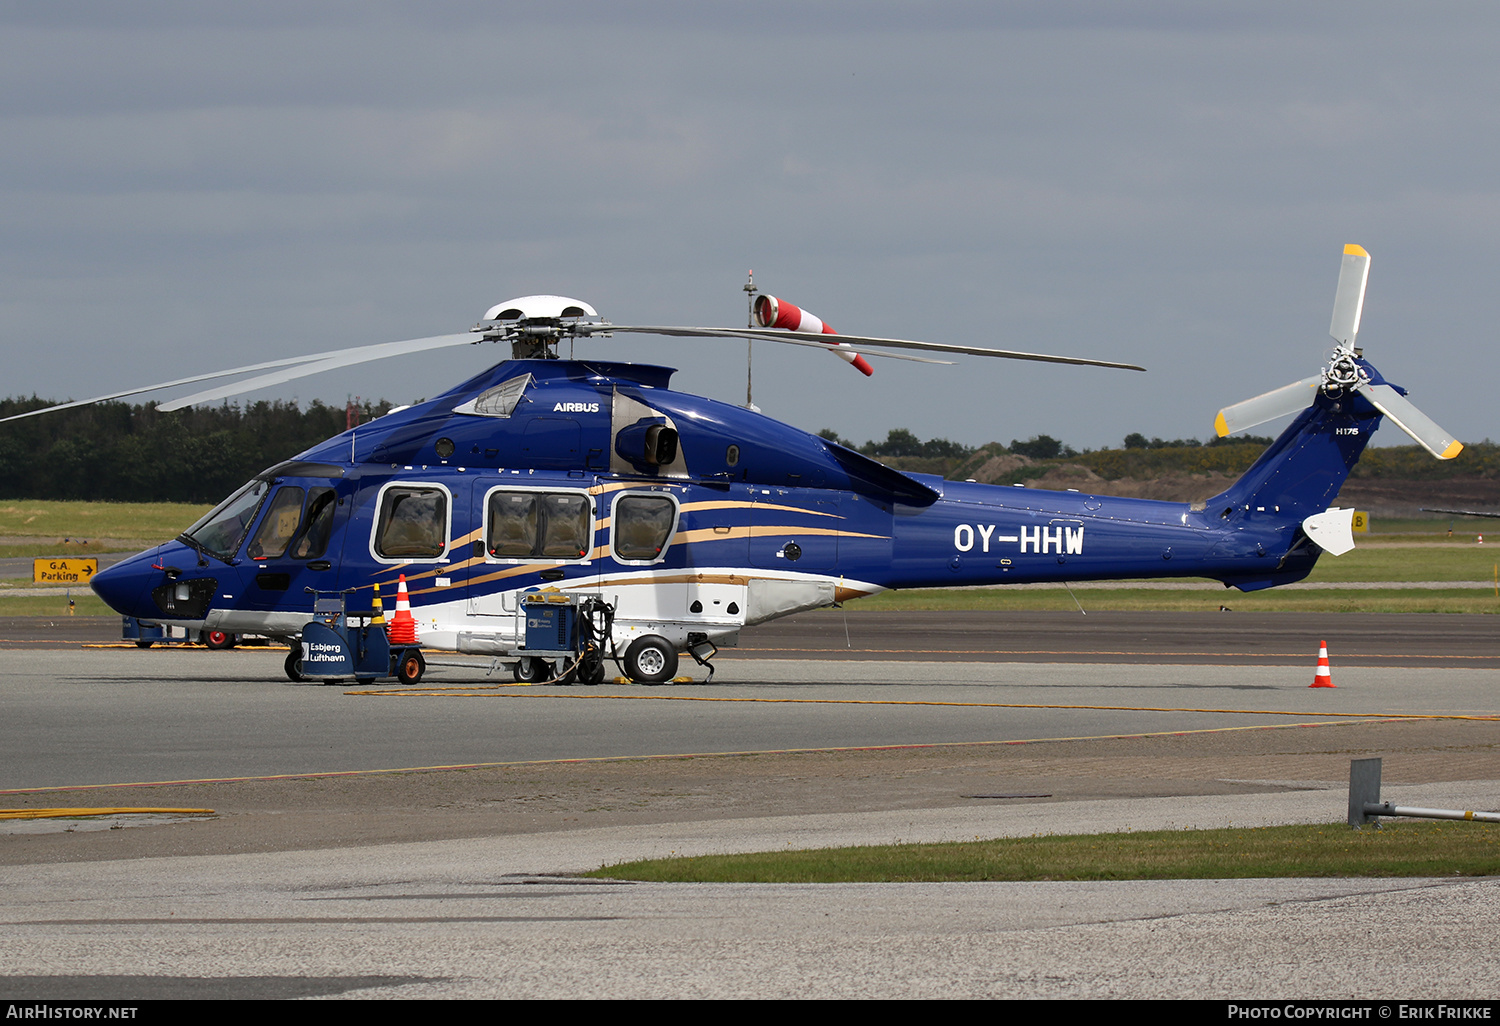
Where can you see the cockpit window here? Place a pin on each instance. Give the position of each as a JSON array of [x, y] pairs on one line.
[[413, 523], [278, 525], [312, 540], [221, 531]]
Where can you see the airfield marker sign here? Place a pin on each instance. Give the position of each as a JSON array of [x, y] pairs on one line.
[[63, 571]]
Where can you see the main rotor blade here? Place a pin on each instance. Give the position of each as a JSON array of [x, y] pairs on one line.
[[1293, 398], [1412, 420], [872, 352], [301, 364], [1461, 512], [159, 385], [1349, 300], [807, 338], [319, 363]]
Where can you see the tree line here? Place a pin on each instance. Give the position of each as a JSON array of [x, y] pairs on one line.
[[117, 452], [135, 453], [901, 442]]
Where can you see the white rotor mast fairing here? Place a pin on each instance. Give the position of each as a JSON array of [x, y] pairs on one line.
[[535, 324], [1344, 372]]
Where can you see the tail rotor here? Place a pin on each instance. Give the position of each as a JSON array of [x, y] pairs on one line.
[[1347, 371]]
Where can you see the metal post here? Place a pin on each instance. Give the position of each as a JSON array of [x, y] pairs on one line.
[[750, 290], [1365, 805], [1364, 788]]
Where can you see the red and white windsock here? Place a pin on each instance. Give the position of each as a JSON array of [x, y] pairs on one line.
[[771, 312]]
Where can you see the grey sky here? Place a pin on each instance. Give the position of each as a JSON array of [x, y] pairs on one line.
[[190, 186]]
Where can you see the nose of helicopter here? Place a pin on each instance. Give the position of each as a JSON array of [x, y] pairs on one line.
[[125, 586]]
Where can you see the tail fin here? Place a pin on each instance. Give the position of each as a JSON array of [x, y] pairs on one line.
[[1267, 511], [1301, 472]]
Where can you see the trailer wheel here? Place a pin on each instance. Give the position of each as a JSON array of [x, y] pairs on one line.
[[293, 664], [144, 644], [591, 667], [651, 660], [530, 669], [411, 667], [219, 640]]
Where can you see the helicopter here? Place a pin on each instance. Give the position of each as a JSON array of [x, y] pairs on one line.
[[665, 523]]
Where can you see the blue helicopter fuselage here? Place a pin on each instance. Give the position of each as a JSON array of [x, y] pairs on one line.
[[692, 518]]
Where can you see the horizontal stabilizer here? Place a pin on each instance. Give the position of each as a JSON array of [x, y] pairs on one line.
[[1288, 399], [1332, 530], [1412, 420]]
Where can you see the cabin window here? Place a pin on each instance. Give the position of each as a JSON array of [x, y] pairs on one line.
[[539, 525], [643, 526], [278, 525], [413, 523]]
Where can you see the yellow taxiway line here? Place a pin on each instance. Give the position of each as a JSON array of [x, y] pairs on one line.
[[76, 813]]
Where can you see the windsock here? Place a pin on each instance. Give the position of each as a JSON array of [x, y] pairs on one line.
[[771, 312], [402, 630]]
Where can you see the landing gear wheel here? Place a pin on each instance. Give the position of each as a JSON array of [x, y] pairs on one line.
[[411, 667], [219, 640], [651, 660], [293, 664], [530, 670], [591, 668]]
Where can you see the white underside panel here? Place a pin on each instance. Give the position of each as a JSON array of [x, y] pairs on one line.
[[672, 603]]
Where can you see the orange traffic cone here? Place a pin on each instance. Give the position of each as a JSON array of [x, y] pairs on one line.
[[1321, 677], [402, 630]]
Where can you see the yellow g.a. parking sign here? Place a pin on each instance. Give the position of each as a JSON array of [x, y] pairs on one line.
[[57, 570]]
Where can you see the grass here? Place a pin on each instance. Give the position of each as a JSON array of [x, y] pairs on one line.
[[87, 604], [69, 548], [1427, 528], [132, 522], [1334, 850], [1386, 562]]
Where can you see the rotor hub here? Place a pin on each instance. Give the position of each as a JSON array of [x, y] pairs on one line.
[[533, 325], [1343, 372]]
